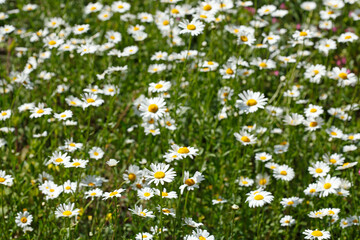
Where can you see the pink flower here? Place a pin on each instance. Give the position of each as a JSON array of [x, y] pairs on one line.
[[298, 26]]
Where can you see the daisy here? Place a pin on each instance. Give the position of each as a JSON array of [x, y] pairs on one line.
[[313, 111], [153, 108], [93, 7], [138, 210], [347, 37], [334, 132], [58, 158], [90, 99], [66, 210], [263, 63], [263, 156], [160, 173], [315, 73], [110, 90], [145, 193], [218, 200], [112, 162], [316, 234], [308, 6], [64, 115], [302, 35], [266, 10], [319, 169], [93, 193], [284, 172], [183, 152], [143, 236], [291, 202], [23, 219], [115, 193], [245, 182], [194, 27], [259, 198], [165, 194], [287, 220], [120, 6], [191, 183], [262, 180], [73, 101], [5, 114], [39, 111], [334, 159], [313, 124], [190, 222], [69, 187], [132, 173], [228, 71], [96, 153], [328, 185], [346, 165], [250, 101], [76, 163], [245, 138], [202, 234], [161, 86]]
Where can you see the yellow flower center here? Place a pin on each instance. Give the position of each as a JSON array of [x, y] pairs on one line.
[[113, 193], [347, 37], [244, 38], [259, 197], [202, 238], [164, 194], [159, 175], [146, 194], [229, 71], [317, 233], [327, 185], [93, 194], [251, 102], [245, 139], [312, 190], [263, 65], [345, 164], [3, 113], [262, 181], [2, 179], [68, 188], [207, 7], [90, 100], [166, 210], [76, 164], [58, 160], [189, 182], [67, 213], [158, 86], [40, 111], [303, 34], [262, 158], [175, 11], [143, 214], [333, 161], [290, 203], [191, 27], [96, 153], [52, 42], [132, 177], [343, 75], [333, 133], [183, 150], [313, 110], [23, 220], [313, 124], [318, 170], [153, 108], [284, 173]]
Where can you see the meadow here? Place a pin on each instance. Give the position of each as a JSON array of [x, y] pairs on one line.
[[179, 119]]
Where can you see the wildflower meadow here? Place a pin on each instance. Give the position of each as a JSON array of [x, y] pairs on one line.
[[179, 119]]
